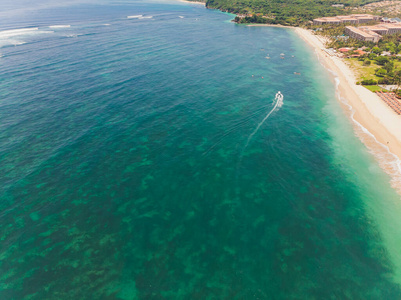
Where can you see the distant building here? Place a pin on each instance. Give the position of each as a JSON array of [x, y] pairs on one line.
[[362, 35], [344, 50], [392, 20], [392, 28], [351, 19], [377, 29], [372, 33], [328, 20], [348, 19], [359, 52]]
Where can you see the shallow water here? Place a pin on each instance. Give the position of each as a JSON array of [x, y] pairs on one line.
[[130, 170]]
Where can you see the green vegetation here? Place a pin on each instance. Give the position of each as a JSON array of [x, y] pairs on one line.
[[377, 72], [368, 82], [283, 12], [389, 43], [367, 62], [379, 65], [374, 88]]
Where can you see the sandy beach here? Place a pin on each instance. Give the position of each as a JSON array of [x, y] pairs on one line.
[[193, 2], [376, 124], [267, 25]]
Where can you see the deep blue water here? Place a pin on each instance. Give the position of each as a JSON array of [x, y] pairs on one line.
[[132, 168]]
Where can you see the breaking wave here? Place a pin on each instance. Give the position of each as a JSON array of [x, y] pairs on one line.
[[16, 37], [59, 26]]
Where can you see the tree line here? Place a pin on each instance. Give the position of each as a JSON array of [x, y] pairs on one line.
[[284, 12]]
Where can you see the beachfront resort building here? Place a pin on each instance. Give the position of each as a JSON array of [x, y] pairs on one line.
[[391, 20], [351, 19], [372, 33], [362, 35]]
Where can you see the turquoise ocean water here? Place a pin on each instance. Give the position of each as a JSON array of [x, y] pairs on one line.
[[137, 162]]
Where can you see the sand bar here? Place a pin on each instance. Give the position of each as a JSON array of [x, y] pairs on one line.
[[369, 111]]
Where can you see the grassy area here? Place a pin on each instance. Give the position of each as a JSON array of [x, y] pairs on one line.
[[374, 88], [366, 72], [363, 72]]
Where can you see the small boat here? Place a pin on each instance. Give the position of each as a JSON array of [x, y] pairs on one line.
[[282, 54], [296, 73]]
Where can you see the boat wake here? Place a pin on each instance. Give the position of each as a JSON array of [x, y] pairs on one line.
[[278, 102], [235, 128]]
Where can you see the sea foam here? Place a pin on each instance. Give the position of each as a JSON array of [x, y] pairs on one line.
[[17, 32], [59, 26], [15, 37], [388, 161]]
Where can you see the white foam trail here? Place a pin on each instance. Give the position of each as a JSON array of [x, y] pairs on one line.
[[59, 26], [134, 17], [278, 103], [148, 17], [235, 128]]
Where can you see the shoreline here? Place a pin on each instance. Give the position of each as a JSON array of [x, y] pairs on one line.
[[366, 110], [375, 123], [267, 25], [194, 2]]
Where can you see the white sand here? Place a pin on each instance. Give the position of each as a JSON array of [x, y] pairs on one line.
[[266, 25], [370, 111], [194, 2]]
